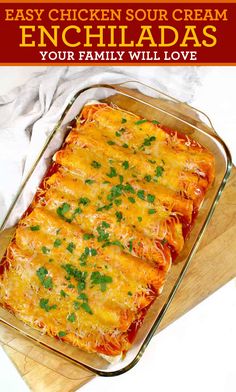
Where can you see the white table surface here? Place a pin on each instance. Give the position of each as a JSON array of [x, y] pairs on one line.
[[197, 352]]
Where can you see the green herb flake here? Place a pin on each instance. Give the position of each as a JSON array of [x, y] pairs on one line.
[[89, 181], [130, 245], [71, 286], [119, 216], [45, 250], [71, 317], [121, 178], [63, 294], [110, 142], [83, 297], [151, 211], [164, 241], [151, 198], [123, 120], [141, 194], [159, 171], [155, 122], [63, 209], [97, 278], [140, 122], [96, 164], [35, 228], [131, 199], [116, 191], [76, 305], [148, 178], [44, 304], [57, 243], [129, 188], [152, 161], [147, 142], [84, 201], [140, 218], [125, 165], [45, 280], [118, 134], [102, 234], [118, 202], [114, 243], [125, 145], [112, 173], [106, 207], [71, 247], [61, 334], [86, 307], [129, 293], [88, 236]]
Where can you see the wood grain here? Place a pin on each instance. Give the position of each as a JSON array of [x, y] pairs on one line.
[[212, 266]]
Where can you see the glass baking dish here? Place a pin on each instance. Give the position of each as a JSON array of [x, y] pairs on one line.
[[151, 104]]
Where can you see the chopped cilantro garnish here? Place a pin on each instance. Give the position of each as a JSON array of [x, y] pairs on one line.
[[159, 171], [35, 228], [141, 194], [61, 334], [102, 234], [71, 286], [83, 296], [79, 276], [121, 178], [140, 218], [63, 209], [148, 141], [45, 250], [70, 247], [148, 178], [118, 202], [86, 307], [129, 293], [152, 162], [130, 245], [106, 207], [164, 241], [123, 120], [89, 181], [76, 305], [129, 188], [102, 280], [45, 280], [96, 164], [43, 303], [84, 200], [88, 236], [155, 122], [151, 211], [57, 243], [125, 145], [110, 142], [71, 317], [115, 192], [119, 216], [131, 199], [118, 134], [125, 165], [112, 173], [115, 243], [150, 198], [63, 294], [140, 122]]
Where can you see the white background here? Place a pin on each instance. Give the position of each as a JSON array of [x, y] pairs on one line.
[[197, 352]]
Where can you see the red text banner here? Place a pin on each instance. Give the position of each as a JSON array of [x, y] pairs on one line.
[[85, 33]]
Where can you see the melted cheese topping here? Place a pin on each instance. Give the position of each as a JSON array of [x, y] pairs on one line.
[[93, 250]]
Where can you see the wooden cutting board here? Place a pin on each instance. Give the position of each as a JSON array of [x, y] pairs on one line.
[[213, 265]]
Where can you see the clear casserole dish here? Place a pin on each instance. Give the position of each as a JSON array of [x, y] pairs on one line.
[[138, 99]]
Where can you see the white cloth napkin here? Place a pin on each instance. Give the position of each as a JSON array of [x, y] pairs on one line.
[[29, 112]]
